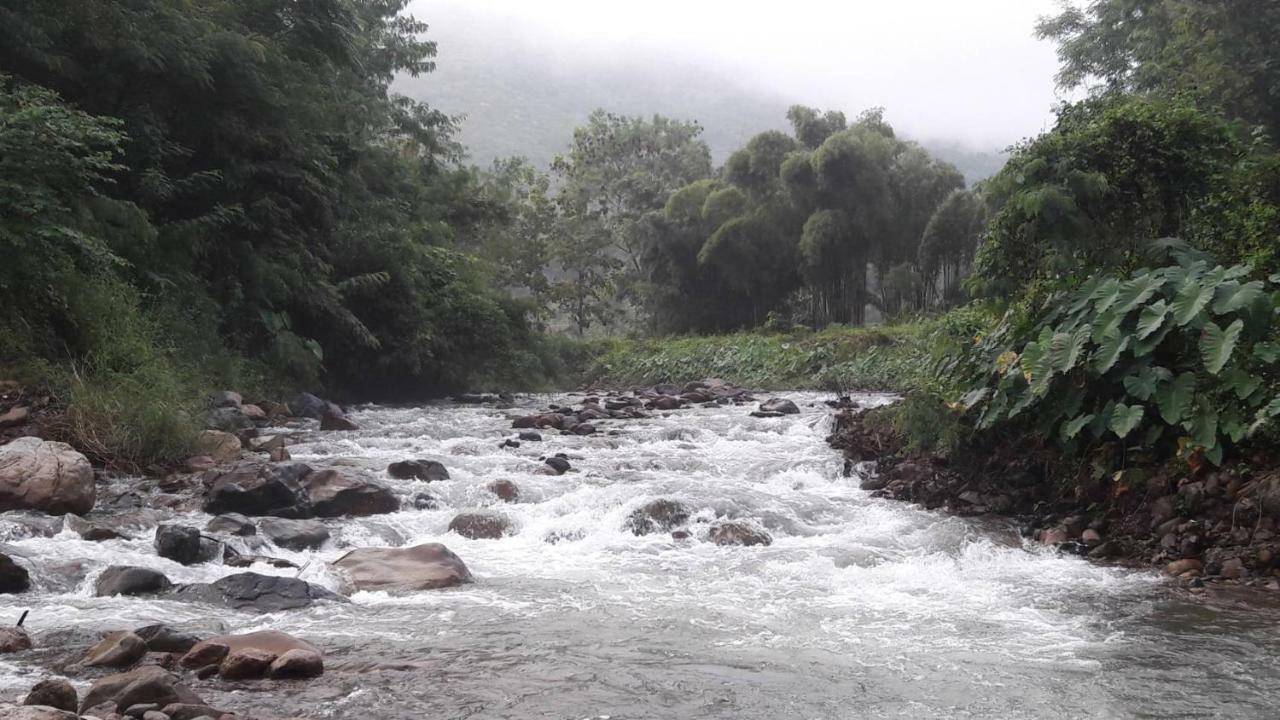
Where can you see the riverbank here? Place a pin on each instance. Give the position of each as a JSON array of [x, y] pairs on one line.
[[1214, 524]]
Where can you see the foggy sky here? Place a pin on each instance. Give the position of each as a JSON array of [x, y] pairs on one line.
[[964, 70]]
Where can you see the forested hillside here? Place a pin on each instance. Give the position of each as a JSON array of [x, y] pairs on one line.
[[517, 99]]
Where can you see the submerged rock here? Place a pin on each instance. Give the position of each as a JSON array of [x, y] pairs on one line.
[[403, 570], [428, 470], [738, 532], [47, 476], [779, 405], [481, 525], [657, 516], [506, 490]]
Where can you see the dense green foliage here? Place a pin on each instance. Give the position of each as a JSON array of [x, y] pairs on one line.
[[1110, 341], [225, 192], [889, 357]]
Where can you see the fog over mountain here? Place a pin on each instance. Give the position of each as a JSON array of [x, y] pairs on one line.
[[971, 81]]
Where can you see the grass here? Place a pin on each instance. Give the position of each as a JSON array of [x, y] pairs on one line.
[[889, 357]]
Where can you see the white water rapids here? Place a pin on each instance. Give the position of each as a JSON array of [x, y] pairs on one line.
[[860, 608]]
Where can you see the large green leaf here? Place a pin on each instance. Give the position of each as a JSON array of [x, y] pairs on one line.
[[1142, 384], [1065, 349], [1192, 298], [1203, 426], [1151, 319], [1174, 399], [1072, 428], [1217, 345], [1265, 415], [1124, 418], [972, 398], [1242, 382], [1109, 350], [1232, 296], [1106, 295], [1267, 352], [1137, 291]]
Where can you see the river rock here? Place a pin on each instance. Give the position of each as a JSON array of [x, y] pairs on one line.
[[232, 524], [333, 493], [255, 488], [403, 570], [558, 463], [204, 654], [246, 664], [14, 639], [506, 490], [1184, 567], [309, 406], [145, 685], [225, 398], [297, 664], [779, 405], [664, 402], [118, 649], [130, 580], [54, 693], [223, 447], [91, 531], [164, 639], [227, 419], [251, 591], [428, 470], [253, 412], [194, 711], [530, 436], [47, 476], [657, 516], [334, 421], [737, 532], [13, 577], [295, 534], [185, 545], [480, 525]]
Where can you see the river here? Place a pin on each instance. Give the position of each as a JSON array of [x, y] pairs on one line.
[[861, 608]]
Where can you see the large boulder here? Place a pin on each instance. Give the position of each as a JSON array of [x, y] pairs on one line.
[[13, 577], [480, 525], [223, 447], [251, 591], [54, 693], [47, 476], [185, 545], [334, 493], [256, 488], [428, 470], [310, 406], [295, 534], [403, 570], [657, 515], [130, 580]]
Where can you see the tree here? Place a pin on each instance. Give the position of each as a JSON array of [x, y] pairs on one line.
[[948, 244], [1215, 54]]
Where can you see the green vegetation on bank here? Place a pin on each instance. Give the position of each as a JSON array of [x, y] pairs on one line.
[[889, 357]]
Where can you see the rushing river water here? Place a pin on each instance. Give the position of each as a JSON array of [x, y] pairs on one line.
[[860, 608]]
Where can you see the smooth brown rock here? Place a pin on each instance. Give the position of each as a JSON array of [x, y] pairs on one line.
[[480, 525], [333, 421], [47, 476], [296, 664], [55, 693], [208, 652], [223, 447], [506, 490], [118, 649], [246, 664], [273, 642], [403, 570], [1184, 566], [336, 493], [14, 639]]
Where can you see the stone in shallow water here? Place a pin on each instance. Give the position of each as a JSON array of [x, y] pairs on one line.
[[481, 525], [130, 580], [657, 515], [402, 570], [251, 591], [428, 470]]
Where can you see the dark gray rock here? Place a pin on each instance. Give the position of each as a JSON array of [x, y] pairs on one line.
[[185, 545], [779, 405], [255, 488], [162, 638], [13, 577], [295, 534], [251, 591], [657, 516], [54, 693], [232, 524], [428, 470], [335, 493], [130, 580]]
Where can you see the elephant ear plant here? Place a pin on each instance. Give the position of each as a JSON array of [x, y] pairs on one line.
[[1180, 358]]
